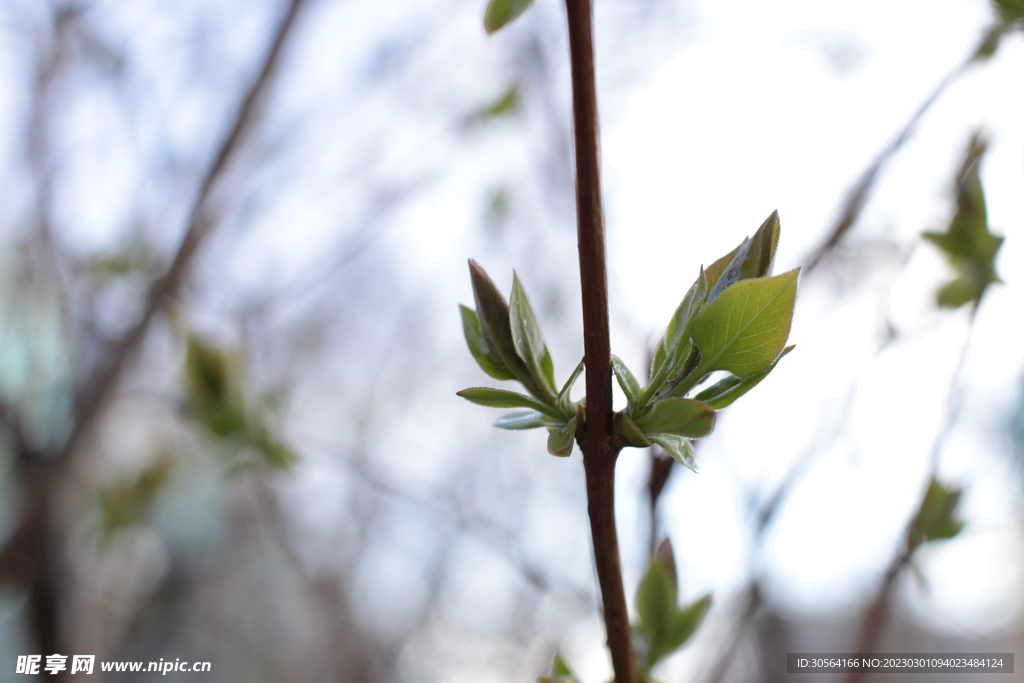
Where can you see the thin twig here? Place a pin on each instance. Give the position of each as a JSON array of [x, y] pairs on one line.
[[859, 194], [598, 454]]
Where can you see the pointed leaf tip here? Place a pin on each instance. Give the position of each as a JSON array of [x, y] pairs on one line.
[[501, 12]]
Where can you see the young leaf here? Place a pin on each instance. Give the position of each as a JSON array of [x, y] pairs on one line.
[[680, 416], [762, 248], [667, 557], [935, 519], [565, 395], [630, 387], [206, 372], [501, 12], [526, 335], [968, 244], [499, 398], [679, 327], [714, 272], [743, 330], [488, 362], [681, 626], [655, 602], [733, 272], [524, 419], [560, 438], [679, 447], [629, 432], [494, 316], [723, 393]]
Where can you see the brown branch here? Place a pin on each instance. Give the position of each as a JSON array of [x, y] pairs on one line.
[[598, 453]]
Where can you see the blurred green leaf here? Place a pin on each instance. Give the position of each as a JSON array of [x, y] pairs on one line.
[[1010, 10], [679, 447], [527, 419], [561, 438], [560, 672], [968, 243], [680, 416], [206, 371], [506, 104], [501, 12], [723, 393], [682, 625], [130, 501], [935, 519], [499, 398], [745, 328], [488, 362], [655, 602]]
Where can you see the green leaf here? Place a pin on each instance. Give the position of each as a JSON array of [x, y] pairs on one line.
[[629, 432], [561, 438], [565, 395], [655, 601], [499, 398], [488, 362], [753, 258], [206, 371], [968, 243], [547, 369], [679, 447], [494, 316], [682, 625], [630, 387], [935, 519], [506, 104], [745, 328], [679, 327], [501, 12], [560, 668], [527, 419], [660, 359], [723, 393], [526, 334], [714, 272], [681, 416]]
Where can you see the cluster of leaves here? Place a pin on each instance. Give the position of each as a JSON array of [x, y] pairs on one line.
[[735, 318], [936, 518], [506, 341], [968, 243], [214, 398]]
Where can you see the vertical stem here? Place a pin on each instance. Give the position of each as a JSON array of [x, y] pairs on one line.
[[598, 453]]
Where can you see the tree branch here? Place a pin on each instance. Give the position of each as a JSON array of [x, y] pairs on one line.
[[598, 454]]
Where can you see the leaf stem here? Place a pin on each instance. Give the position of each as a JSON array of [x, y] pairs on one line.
[[598, 453]]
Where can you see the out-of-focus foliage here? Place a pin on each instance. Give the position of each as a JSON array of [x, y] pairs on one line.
[[968, 242]]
